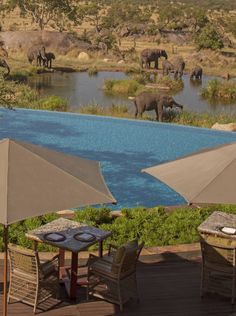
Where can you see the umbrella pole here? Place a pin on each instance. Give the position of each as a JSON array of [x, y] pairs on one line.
[[5, 270]]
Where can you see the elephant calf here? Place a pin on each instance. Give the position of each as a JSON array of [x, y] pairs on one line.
[[196, 73], [49, 57], [147, 101]]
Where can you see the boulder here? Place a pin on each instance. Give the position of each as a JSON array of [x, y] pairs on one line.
[[83, 56], [231, 127], [121, 62]]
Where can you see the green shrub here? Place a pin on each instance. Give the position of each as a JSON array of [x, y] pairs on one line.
[[94, 216], [153, 226], [208, 37]]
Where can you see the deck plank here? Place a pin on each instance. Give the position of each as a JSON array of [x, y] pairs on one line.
[[166, 289]]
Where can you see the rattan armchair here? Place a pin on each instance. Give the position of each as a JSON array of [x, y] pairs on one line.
[[113, 277], [31, 281], [218, 267]]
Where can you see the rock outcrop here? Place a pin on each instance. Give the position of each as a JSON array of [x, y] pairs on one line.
[[230, 127]]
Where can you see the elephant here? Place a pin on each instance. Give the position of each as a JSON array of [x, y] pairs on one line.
[[196, 73], [49, 57], [147, 101], [167, 67], [176, 66], [4, 64], [149, 55], [38, 54], [179, 66]]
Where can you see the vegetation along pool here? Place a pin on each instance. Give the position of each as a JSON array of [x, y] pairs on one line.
[[123, 146]]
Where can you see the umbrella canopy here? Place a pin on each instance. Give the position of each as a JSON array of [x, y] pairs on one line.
[[35, 180], [207, 176]]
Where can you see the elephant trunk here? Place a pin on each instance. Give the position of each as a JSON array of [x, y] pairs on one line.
[[178, 105]]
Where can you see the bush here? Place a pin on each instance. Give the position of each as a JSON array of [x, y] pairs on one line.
[[93, 216], [153, 226], [209, 38]]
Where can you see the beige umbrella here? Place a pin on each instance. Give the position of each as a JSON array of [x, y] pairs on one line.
[[207, 176], [35, 181]]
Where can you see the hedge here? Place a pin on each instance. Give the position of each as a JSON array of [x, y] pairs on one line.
[[154, 226]]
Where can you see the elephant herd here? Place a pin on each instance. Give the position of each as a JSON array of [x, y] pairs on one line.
[[147, 101], [41, 57], [177, 65], [37, 54]]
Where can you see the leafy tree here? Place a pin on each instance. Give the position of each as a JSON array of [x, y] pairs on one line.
[[198, 17], [169, 16], [208, 37], [45, 11], [119, 13], [93, 12]]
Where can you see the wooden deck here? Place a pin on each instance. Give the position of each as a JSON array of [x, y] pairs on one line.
[[168, 288]]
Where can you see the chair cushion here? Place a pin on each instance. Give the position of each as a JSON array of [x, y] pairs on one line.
[[102, 267], [131, 245], [47, 268], [118, 256]]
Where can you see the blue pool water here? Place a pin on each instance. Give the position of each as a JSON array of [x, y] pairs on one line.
[[124, 147]]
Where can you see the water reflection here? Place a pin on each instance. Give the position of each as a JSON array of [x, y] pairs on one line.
[[82, 89]]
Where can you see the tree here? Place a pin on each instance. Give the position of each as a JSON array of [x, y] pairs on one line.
[[208, 37], [45, 11], [93, 13], [119, 13]]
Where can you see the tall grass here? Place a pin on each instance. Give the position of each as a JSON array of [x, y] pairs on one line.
[[173, 84], [124, 87], [219, 89], [119, 110], [20, 95]]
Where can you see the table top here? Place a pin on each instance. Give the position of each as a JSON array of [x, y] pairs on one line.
[[69, 229], [216, 221]]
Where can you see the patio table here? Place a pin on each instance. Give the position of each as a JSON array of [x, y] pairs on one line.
[[213, 224], [69, 229]]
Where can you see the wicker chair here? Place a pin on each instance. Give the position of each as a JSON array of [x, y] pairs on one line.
[[218, 267], [31, 282], [113, 277]]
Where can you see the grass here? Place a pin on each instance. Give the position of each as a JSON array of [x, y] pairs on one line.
[[174, 85], [20, 95], [205, 120], [219, 90], [114, 110], [124, 86]]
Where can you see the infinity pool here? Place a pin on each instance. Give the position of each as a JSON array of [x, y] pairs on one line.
[[123, 146]]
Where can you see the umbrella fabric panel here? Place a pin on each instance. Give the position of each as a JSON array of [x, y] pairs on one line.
[[86, 170], [199, 177], [36, 186]]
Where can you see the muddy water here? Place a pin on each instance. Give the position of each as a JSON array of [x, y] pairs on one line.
[[82, 89]]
